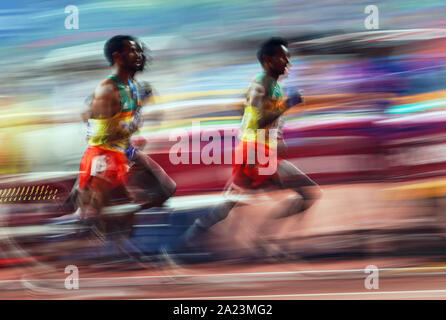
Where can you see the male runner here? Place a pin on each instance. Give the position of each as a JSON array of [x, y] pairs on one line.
[[265, 104], [110, 162]]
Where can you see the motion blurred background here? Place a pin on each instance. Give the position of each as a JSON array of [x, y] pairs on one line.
[[371, 131], [374, 99], [203, 59]]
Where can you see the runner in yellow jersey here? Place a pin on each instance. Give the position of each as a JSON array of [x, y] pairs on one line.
[[114, 115], [265, 104]]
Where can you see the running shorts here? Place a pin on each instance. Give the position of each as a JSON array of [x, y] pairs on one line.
[[110, 166]]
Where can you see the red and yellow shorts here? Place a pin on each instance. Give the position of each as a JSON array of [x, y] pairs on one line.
[[110, 166], [246, 174]]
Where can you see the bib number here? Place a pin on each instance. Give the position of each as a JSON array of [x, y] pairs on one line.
[[98, 165]]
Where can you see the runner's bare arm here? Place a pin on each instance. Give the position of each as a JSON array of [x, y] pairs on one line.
[[106, 103], [86, 114], [257, 96]]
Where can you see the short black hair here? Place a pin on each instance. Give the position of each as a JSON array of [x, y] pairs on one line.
[[269, 47], [115, 44]]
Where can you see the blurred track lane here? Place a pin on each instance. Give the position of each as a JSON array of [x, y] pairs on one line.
[[283, 285]]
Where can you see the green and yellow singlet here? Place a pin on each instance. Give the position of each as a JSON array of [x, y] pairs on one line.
[[98, 129], [274, 100]]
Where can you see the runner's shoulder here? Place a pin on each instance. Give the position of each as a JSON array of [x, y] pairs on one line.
[[107, 89], [106, 102], [257, 87]]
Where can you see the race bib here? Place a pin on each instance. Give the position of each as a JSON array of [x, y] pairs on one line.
[[98, 165]]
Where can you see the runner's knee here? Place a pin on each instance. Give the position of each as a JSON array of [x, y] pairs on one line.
[[216, 215], [165, 192]]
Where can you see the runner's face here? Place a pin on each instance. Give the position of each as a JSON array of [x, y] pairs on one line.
[[280, 61], [132, 56]]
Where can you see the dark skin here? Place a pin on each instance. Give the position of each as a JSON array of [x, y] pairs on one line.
[[274, 67], [105, 104], [106, 100]]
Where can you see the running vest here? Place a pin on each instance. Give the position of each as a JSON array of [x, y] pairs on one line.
[[98, 129], [274, 100]]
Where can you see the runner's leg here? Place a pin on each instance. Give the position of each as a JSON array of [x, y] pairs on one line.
[[290, 177], [149, 182]]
